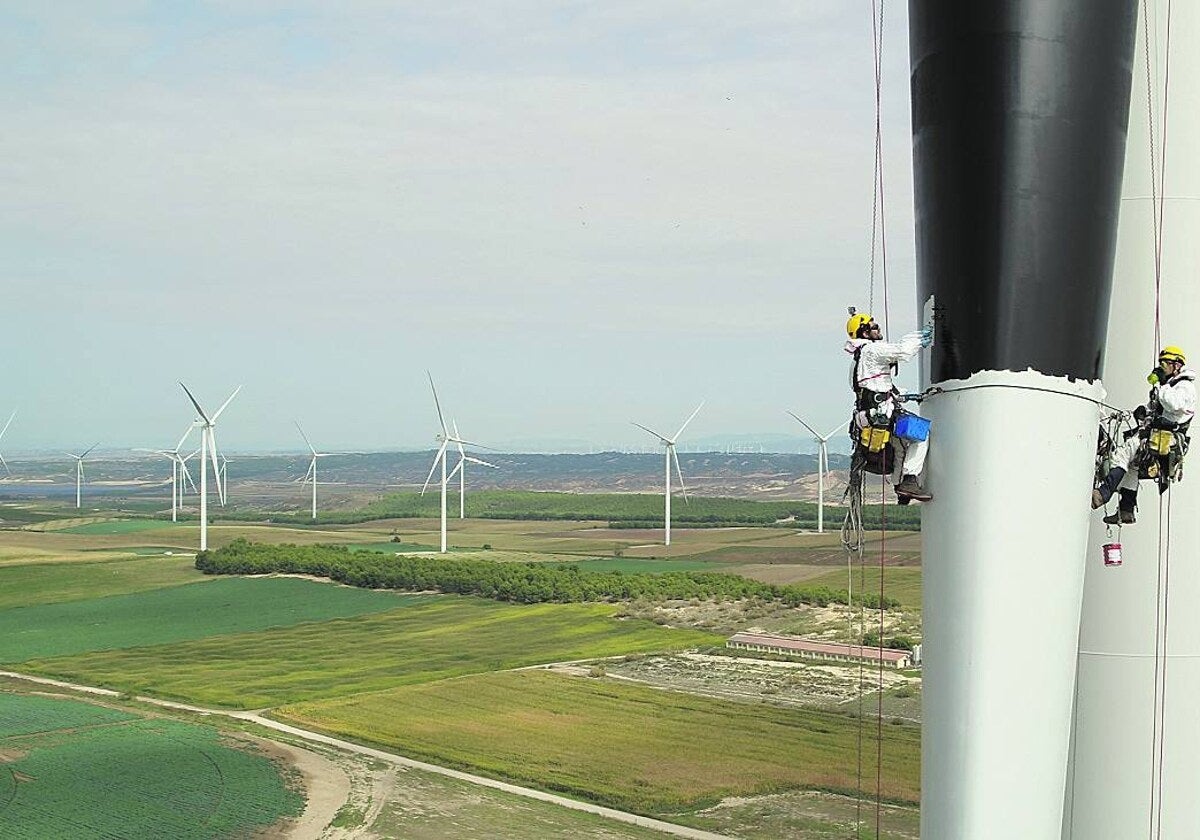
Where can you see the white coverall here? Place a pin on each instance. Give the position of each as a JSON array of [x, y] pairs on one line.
[[874, 372], [1177, 396]]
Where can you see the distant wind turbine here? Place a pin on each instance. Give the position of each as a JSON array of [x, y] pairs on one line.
[[822, 465], [2, 431], [179, 471], [79, 472], [461, 469], [208, 450], [311, 475], [444, 439], [669, 443], [224, 479]]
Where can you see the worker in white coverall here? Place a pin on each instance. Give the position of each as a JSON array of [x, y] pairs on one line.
[[1171, 406], [875, 361]]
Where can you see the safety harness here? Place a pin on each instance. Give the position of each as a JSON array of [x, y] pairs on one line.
[[1164, 444], [874, 421]]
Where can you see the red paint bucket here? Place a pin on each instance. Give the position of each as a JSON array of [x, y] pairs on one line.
[[1112, 554]]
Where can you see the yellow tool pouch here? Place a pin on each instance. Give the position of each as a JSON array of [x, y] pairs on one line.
[[873, 439], [1161, 441]]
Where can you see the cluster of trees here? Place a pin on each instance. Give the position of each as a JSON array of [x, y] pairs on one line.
[[620, 510], [526, 583]]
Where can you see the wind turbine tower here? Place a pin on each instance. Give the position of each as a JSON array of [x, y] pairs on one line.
[[79, 473], [461, 469], [311, 475], [208, 451], [672, 455], [822, 465], [179, 471], [444, 439]]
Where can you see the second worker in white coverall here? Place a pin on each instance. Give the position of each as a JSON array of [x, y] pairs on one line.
[[1171, 407], [875, 362]]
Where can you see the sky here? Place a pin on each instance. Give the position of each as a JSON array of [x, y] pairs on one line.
[[574, 215]]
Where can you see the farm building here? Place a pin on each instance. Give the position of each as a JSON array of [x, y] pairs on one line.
[[837, 651]]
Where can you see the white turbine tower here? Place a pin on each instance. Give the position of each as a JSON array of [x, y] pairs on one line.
[[208, 451], [669, 443], [822, 465], [311, 475], [2, 431], [461, 469], [179, 471], [79, 472], [444, 439]]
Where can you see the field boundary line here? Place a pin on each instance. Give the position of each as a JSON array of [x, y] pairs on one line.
[[393, 758]]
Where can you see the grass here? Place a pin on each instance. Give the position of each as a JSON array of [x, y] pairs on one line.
[[129, 778], [628, 746], [179, 613], [900, 582], [391, 547], [430, 639], [48, 583], [117, 527]]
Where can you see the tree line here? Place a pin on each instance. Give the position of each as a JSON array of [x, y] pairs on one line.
[[524, 583]]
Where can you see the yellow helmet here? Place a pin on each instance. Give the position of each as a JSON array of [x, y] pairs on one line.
[[1171, 353], [856, 323]]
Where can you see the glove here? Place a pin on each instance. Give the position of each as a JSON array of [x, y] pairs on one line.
[[1140, 413], [926, 336], [1157, 376]]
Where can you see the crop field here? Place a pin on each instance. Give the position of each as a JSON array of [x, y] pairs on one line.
[[47, 583], [432, 638], [118, 526], [900, 582], [620, 564], [178, 613], [124, 777], [624, 745]]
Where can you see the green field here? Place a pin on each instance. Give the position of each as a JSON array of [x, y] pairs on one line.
[[621, 508], [628, 746], [430, 639], [121, 776], [117, 527], [48, 583], [178, 613], [900, 582]]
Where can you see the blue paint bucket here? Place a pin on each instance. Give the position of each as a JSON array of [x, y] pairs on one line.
[[912, 427]]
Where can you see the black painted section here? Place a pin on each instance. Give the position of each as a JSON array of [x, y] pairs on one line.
[[1020, 109]]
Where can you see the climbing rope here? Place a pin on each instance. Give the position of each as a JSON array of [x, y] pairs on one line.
[[1158, 167]]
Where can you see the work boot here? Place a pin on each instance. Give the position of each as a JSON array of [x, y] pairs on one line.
[[909, 488], [1120, 517]]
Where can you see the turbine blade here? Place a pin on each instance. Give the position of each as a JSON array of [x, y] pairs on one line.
[[188, 475], [691, 417], [89, 449], [839, 427], [225, 404], [306, 440], [191, 397], [679, 472], [308, 474], [9, 423], [5, 463], [480, 462], [186, 435], [438, 405], [454, 471], [440, 454], [651, 431], [797, 418], [212, 454]]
